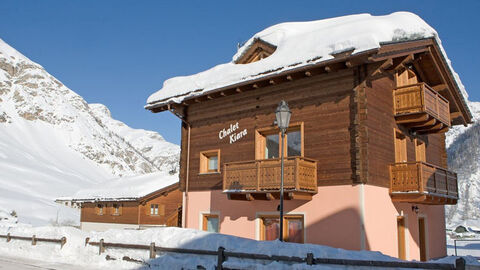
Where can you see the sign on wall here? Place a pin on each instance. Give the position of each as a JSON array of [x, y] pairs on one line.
[[232, 133]]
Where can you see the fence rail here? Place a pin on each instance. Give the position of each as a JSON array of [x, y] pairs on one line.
[[223, 255], [464, 240], [62, 241]]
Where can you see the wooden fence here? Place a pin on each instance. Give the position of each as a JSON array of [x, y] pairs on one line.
[[222, 256], [62, 241]]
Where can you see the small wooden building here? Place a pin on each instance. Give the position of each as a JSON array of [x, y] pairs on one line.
[[131, 203], [366, 163]]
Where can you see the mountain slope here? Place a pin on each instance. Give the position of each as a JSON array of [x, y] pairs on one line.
[[53, 143], [464, 159], [153, 147]]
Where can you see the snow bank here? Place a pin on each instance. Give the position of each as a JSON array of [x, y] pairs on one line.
[[301, 44], [127, 188], [74, 252]]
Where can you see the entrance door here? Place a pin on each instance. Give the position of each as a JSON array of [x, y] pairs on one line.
[[401, 238], [422, 241]]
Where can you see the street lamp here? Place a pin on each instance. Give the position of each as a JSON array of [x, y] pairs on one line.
[[282, 115]]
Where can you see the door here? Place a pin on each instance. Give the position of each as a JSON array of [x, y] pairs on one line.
[[421, 238], [401, 238]]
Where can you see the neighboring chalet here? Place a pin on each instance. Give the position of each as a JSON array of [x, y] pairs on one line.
[[366, 167], [131, 203]]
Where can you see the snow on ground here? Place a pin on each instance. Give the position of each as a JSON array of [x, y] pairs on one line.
[[302, 44], [36, 166], [127, 188], [467, 243], [75, 252], [17, 263], [53, 143]]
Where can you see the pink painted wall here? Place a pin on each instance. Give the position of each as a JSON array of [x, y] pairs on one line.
[[323, 214], [333, 217]]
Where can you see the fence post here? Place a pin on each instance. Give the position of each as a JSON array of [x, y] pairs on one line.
[[460, 264], [9, 238], [309, 259], [455, 243], [34, 240], [220, 258], [87, 240], [101, 248], [153, 254], [63, 241]]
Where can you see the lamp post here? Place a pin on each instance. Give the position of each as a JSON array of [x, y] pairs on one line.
[[282, 115]]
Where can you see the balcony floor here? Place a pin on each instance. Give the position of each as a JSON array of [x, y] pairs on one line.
[[433, 199], [269, 195]]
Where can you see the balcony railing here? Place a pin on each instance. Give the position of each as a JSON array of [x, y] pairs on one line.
[[422, 109], [260, 179], [421, 182]]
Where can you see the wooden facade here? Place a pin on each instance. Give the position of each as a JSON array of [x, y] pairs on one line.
[[375, 119], [167, 201], [395, 85]]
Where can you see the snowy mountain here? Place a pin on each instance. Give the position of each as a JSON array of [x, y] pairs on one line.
[[463, 147], [53, 143]]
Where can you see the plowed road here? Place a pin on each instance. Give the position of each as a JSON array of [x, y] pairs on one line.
[[11, 263]]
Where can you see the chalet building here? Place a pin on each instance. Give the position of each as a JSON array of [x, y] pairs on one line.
[[366, 165], [131, 203]]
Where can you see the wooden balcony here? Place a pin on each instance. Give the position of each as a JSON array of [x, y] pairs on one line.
[[423, 183], [421, 109], [260, 179]]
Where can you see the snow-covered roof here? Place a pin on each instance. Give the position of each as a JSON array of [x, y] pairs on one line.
[[127, 188], [300, 44]]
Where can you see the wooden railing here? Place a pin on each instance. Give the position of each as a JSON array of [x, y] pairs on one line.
[[419, 98], [423, 178], [300, 174], [222, 255], [34, 239]]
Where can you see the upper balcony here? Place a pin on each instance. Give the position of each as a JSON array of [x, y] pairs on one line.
[[421, 109], [260, 179], [420, 182]]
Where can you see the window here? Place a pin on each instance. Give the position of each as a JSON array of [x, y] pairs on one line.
[[99, 209], [293, 228], [210, 161], [116, 211], [157, 210], [154, 209], [210, 223], [267, 142]]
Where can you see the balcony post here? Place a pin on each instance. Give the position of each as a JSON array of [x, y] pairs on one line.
[[257, 163], [297, 173], [420, 177], [224, 176]]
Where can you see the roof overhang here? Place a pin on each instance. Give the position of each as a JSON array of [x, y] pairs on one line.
[[388, 55]]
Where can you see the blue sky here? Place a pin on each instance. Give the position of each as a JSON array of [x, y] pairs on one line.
[[119, 52]]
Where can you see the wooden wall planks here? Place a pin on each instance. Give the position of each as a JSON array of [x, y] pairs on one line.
[[348, 124], [321, 102]]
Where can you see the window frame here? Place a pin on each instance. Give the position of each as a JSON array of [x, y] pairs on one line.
[[153, 207], [285, 225], [204, 161], [260, 139], [100, 210], [116, 211], [205, 217]]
